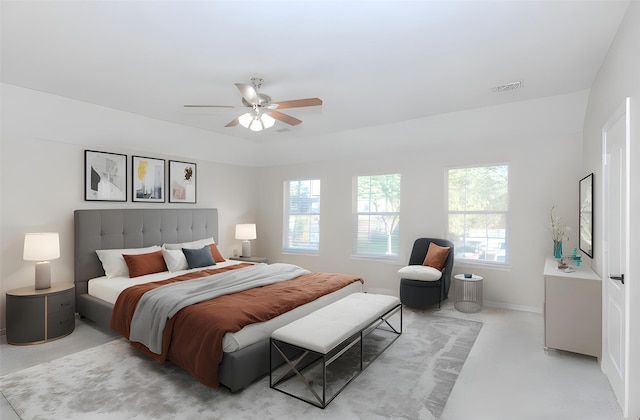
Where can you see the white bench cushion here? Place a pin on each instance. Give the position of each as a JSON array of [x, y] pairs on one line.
[[420, 272], [324, 329]]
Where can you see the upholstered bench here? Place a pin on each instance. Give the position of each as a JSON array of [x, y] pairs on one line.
[[326, 334]]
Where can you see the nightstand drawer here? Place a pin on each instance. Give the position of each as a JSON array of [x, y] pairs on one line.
[[60, 323], [61, 302]]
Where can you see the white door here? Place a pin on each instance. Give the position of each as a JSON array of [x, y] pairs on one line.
[[615, 172]]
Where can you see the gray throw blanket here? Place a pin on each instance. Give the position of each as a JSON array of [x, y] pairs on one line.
[[162, 303]]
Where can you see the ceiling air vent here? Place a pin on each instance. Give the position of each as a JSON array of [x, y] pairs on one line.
[[506, 87]]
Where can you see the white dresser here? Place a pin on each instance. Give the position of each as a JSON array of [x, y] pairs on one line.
[[572, 309]]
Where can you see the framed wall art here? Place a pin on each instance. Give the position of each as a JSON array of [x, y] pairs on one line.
[[147, 180], [182, 182], [105, 176]]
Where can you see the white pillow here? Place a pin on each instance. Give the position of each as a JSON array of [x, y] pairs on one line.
[[175, 259], [420, 272], [191, 245], [113, 262]]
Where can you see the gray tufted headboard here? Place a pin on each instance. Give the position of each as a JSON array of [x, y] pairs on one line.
[[133, 228]]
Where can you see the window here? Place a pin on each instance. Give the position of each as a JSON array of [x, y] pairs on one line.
[[377, 215], [302, 215], [478, 209]]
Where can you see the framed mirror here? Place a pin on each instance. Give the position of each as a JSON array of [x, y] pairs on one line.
[[586, 215]]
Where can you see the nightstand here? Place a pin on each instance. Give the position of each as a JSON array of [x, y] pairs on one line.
[[251, 259], [37, 316]]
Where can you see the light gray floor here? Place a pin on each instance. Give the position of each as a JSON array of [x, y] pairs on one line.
[[507, 375], [15, 358]]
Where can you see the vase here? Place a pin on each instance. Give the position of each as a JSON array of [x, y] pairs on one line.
[[557, 249]]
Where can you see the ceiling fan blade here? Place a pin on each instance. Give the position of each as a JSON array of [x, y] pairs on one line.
[[232, 123], [211, 106], [284, 118], [248, 93], [298, 103]]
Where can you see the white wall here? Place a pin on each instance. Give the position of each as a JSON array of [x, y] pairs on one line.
[[540, 140], [43, 138], [619, 78], [42, 169]]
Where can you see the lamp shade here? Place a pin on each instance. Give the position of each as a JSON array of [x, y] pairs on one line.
[[41, 246], [246, 231]]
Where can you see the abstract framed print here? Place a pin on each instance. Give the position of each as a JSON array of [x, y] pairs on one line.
[[182, 182], [147, 180], [105, 176]]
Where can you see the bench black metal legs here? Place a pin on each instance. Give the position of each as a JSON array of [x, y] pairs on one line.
[[310, 367]]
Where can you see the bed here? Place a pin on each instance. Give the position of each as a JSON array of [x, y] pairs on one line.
[[245, 353]]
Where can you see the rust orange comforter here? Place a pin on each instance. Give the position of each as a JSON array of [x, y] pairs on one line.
[[192, 339]]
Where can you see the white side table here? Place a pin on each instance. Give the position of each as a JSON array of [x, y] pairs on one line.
[[572, 309], [468, 294]]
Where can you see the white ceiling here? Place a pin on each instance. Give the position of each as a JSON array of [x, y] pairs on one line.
[[372, 62]]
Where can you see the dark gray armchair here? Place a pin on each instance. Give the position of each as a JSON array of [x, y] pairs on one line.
[[422, 294]]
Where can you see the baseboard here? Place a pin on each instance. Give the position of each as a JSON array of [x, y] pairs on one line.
[[502, 305]]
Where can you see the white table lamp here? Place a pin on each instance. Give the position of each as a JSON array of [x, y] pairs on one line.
[[246, 232], [42, 247]]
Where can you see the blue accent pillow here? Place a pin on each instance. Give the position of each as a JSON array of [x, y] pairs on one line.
[[199, 257]]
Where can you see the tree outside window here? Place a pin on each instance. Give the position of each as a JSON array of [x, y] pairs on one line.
[[302, 215], [478, 213], [377, 215]]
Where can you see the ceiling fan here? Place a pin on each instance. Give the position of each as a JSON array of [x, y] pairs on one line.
[[263, 113]]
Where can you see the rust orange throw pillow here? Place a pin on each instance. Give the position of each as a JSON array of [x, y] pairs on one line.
[[436, 256], [141, 264], [215, 253]]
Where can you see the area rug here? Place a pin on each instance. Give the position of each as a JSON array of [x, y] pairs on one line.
[[412, 379]]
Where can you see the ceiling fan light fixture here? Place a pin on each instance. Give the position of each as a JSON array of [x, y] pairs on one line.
[[256, 125], [257, 121], [245, 119], [262, 113], [267, 120]]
